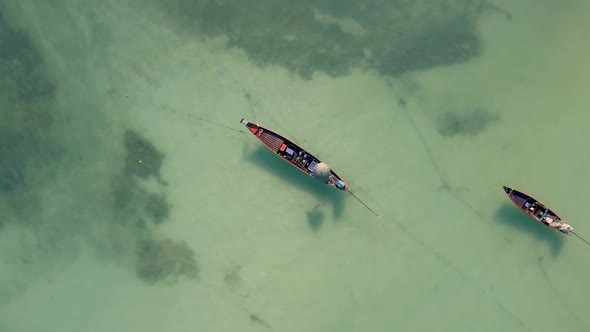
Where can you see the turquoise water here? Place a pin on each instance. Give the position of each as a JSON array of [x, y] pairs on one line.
[[131, 201]]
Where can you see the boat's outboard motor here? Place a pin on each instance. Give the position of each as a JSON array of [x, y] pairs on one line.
[[340, 185]]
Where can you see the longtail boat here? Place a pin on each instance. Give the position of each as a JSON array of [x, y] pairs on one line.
[[536, 210], [297, 156]]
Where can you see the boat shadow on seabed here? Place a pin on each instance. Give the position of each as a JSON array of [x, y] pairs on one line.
[[325, 195], [516, 219]]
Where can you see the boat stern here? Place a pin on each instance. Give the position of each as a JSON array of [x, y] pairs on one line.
[[566, 228], [341, 185]]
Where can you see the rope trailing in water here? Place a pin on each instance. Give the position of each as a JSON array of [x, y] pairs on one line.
[[581, 238]]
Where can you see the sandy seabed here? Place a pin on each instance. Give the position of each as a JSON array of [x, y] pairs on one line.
[[449, 251]]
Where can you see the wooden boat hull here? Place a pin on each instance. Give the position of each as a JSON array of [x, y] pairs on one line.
[[293, 154], [535, 209]]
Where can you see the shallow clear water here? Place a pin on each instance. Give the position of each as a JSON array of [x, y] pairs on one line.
[[133, 199]]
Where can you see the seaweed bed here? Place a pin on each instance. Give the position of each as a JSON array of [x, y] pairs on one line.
[[141, 210], [390, 37], [26, 105], [467, 123], [165, 260], [131, 201]]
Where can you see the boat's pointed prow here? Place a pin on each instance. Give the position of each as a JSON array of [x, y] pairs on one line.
[[253, 127], [507, 190]]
